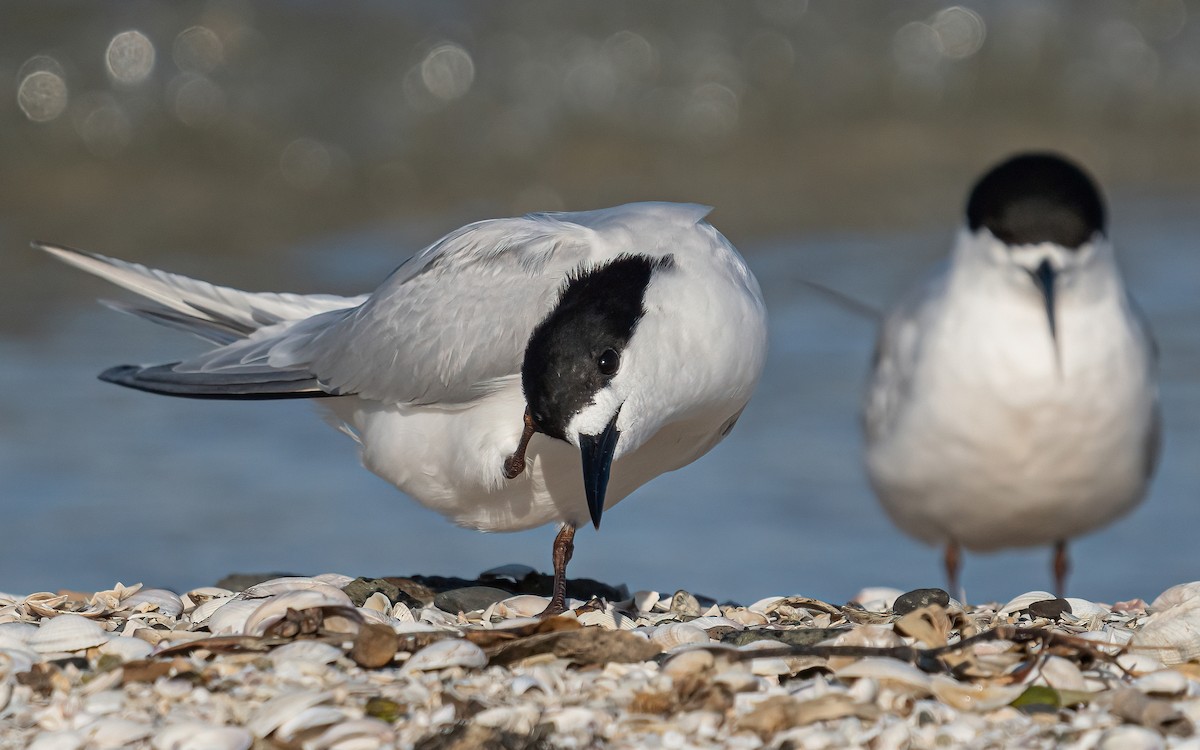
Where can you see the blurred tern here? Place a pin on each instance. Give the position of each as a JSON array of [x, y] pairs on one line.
[[1012, 400], [484, 369]]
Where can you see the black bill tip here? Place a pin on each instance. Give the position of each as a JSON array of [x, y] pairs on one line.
[[597, 452], [1044, 276]]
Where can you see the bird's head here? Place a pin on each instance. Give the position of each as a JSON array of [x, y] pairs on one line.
[[584, 382], [1042, 220]]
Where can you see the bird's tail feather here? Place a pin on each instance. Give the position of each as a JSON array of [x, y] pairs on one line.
[[198, 306], [222, 315]]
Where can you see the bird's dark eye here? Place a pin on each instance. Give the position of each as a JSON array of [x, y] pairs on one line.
[[609, 362]]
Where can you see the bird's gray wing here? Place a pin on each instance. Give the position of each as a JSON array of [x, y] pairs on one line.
[[443, 328], [897, 349]]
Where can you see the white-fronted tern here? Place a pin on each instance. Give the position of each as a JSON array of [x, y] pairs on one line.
[[1012, 400], [483, 369]]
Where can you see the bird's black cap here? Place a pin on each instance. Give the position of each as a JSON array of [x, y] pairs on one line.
[[1037, 197]]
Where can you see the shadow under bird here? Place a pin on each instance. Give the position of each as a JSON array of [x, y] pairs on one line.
[[516, 372], [1012, 400]]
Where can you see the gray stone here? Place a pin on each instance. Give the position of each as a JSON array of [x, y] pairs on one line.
[[917, 598], [469, 599], [1051, 609]]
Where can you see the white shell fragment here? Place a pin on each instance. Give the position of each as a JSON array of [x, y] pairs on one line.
[[451, 652], [67, 633]]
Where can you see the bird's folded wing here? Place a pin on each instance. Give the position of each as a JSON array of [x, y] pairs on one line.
[[896, 351], [447, 322]]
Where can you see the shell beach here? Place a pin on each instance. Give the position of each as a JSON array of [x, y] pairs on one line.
[[334, 662]]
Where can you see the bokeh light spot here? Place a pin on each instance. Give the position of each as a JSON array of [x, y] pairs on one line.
[[960, 30], [448, 71], [42, 95], [129, 57]]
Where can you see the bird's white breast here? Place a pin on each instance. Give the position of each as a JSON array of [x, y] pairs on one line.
[[998, 446]]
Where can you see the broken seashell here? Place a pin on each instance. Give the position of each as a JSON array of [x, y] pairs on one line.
[[877, 598], [645, 601], [359, 734], [275, 608], [314, 652], [524, 605], [451, 652], [286, 585], [887, 672], [283, 707], [967, 696], [678, 634], [747, 617], [157, 600], [126, 649], [1058, 673], [67, 633], [115, 732], [377, 602], [309, 718], [229, 618], [198, 735], [1164, 682]]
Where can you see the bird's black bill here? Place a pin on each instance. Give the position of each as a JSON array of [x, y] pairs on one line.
[[597, 451], [1044, 277]]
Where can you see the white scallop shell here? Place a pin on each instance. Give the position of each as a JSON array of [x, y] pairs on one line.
[[1085, 610], [314, 652], [678, 634], [609, 620], [14, 661], [337, 580], [359, 734], [1171, 634], [275, 608], [201, 612], [60, 740], [1058, 673], [309, 718], [1129, 737], [452, 652], [884, 670], [1176, 595], [126, 648], [17, 632], [744, 616], [197, 735], [277, 586], [715, 621], [114, 732], [1023, 601], [160, 600], [401, 613], [763, 606], [282, 708], [1166, 682], [522, 605], [230, 617], [67, 633]]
